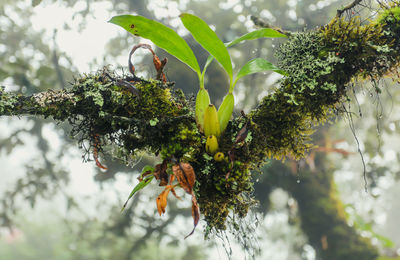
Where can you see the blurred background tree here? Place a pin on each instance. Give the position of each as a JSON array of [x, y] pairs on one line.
[[55, 207]]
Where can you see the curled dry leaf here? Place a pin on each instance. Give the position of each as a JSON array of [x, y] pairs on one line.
[[161, 173], [186, 177], [185, 174], [171, 179], [195, 214], [175, 195], [162, 199], [159, 65]]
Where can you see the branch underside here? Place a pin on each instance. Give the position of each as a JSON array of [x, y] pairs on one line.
[[122, 115]]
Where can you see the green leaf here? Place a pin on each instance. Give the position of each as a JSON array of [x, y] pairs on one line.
[[153, 122], [386, 242], [208, 39], [257, 65], [147, 168], [254, 35], [161, 35], [257, 34], [137, 188], [208, 62]]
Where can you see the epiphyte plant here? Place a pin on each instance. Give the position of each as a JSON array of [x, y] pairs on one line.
[[208, 120]]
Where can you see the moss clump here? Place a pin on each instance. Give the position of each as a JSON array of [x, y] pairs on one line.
[[320, 64], [304, 98], [133, 114], [184, 142], [366, 51], [7, 101], [390, 21], [218, 193]]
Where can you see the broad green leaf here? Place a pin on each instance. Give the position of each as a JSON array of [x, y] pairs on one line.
[[257, 65], [254, 35], [257, 34], [208, 39], [161, 35], [137, 188]]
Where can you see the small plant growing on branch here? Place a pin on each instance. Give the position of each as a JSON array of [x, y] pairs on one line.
[[210, 122]]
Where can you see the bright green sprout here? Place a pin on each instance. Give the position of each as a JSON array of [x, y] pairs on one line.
[[167, 39]]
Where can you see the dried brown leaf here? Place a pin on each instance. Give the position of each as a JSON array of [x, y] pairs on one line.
[[195, 214], [185, 174], [161, 173], [174, 193], [162, 199], [137, 46], [159, 65]]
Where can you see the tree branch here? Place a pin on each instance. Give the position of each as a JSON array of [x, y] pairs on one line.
[[259, 22], [133, 115], [347, 7]]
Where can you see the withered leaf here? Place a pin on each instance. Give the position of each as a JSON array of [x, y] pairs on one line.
[[137, 46], [161, 173], [159, 65], [162, 199], [98, 164], [171, 179], [195, 214], [174, 193], [185, 174]]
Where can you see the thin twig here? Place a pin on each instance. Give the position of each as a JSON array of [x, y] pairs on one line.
[[259, 22], [347, 7]]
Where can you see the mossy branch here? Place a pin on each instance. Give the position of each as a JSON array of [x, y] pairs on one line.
[[130, 115]]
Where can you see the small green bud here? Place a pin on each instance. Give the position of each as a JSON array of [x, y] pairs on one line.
[[219, 157], [211, 123]]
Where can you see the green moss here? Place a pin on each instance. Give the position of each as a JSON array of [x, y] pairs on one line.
[[320, 65], [7, 102], [391, 15]]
